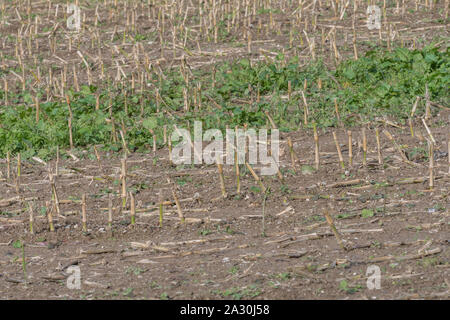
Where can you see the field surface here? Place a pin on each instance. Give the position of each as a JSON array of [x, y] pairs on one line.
[[85, 121]]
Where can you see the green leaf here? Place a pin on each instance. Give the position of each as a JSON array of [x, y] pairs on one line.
[[367, 213], [17, 244], [150, 123]]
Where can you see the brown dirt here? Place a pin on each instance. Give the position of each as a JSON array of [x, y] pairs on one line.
[[232, 259]]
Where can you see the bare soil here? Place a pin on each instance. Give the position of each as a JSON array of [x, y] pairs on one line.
[[220, 250]]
